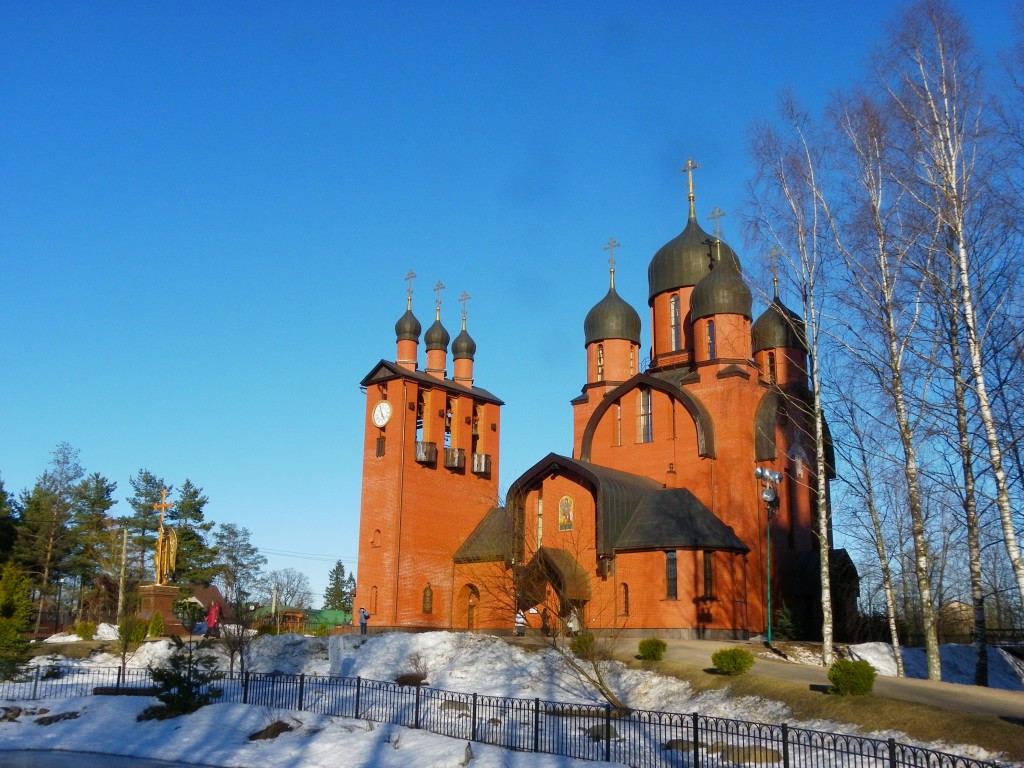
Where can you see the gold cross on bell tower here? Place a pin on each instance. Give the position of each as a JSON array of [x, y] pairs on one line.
[[688, 169]]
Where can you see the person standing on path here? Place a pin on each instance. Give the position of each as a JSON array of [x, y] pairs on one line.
[[363, 618]]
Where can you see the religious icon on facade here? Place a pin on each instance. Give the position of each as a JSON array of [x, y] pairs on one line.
[[566, 513]]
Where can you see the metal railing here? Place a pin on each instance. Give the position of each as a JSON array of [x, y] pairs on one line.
[[638, 738]]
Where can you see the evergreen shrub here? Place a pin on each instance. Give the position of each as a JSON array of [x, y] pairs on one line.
[[652, 649], [584, 646], [156, 625], [851, 678], [732, 661], [86, 630]]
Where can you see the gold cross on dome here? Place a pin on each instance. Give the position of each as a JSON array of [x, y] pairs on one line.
[[410, 277], [718, 214], [463, 299], [437, 289], [688, 169], [612, 245], [773, 266]]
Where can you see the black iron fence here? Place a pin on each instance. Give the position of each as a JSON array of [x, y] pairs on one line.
[[638, 738]]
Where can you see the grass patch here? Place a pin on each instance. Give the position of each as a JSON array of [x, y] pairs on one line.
[[870, 713]]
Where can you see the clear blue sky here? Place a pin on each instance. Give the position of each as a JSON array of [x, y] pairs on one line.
[[207, 211]]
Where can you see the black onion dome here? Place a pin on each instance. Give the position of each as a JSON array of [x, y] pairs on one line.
[[778, 327], [436, 336], [685, 260], [408, 327], [612, 318], [463, 347], [722, 292]]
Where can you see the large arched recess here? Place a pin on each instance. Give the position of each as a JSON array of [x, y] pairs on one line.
[[767, 415], [698, 412]]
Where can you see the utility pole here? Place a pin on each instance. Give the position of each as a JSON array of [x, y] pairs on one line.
[[124, 573]]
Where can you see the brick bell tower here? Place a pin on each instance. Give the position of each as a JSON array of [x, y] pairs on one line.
[[430, 473]]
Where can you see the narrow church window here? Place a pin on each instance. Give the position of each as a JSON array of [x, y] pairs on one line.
[[671, 589], [540, 516], [644, 426], [711, 340], [420, 410], [624, 589], [449, 407], [771, 367], [709, 586], [428, 599], [373, 600], [632, 361], [375, 540], [600, 362], [618, 423], [478, 416], [380, 445], [675, 321]]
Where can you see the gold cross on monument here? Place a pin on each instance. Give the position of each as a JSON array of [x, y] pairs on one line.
[[463, 299], [163, 505], [718, 214]]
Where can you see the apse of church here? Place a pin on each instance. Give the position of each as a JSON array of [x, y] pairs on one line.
[[654, 523]]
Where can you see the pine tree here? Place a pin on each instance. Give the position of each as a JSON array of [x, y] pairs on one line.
[[334, 597], [239, 563], [8, 523], [96, 548], [197, 560], [15, 619]]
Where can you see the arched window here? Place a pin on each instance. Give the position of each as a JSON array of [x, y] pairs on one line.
[[624, 594], [675, 322], [711, 340], [373, 599], [428, 599], [771, 367], [671, 588], [632, 360], [644, 425], [600, 362], [375, 539]]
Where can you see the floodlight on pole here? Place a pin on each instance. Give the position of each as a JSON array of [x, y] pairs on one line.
[[770, 496]]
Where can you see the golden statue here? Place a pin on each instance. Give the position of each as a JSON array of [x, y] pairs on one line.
[[166, 545]]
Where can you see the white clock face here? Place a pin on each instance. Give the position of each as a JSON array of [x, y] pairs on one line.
[[381, 413]]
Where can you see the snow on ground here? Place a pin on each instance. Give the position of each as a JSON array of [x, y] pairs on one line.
[[1004, 671], [217, 735]]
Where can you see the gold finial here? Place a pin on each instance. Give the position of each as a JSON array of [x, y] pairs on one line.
[[688, 169], [718, 214], [438, 287], [773, 266], [612, 245], [463, 299], [718, 250], [410, 277]]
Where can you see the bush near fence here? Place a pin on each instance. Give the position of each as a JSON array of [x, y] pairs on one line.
[[639, 738]]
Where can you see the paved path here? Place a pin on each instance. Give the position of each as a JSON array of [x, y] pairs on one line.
[[965, 698]]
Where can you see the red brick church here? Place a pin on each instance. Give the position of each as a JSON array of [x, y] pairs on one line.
[[655, 524]]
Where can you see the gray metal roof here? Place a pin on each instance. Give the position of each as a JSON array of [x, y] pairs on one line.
[[778, 327], [684, 260], [676, 519], [386, 371], [493, 539], [722, 292], [612, 318]]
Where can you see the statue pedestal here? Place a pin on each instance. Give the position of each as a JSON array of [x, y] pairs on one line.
[[160, 598]]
